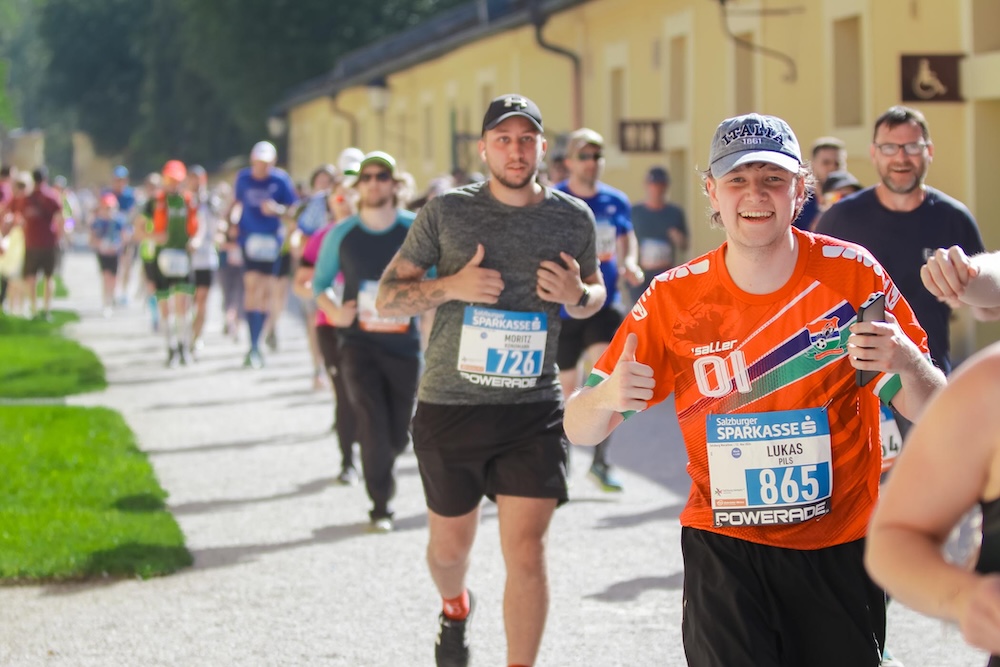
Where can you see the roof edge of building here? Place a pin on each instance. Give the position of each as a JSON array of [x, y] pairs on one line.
[[353, 69]]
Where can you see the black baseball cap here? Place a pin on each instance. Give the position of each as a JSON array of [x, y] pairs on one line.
[[506, 106], [836, 180]]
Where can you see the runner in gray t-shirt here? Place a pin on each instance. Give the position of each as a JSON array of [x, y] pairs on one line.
[[508, 253]]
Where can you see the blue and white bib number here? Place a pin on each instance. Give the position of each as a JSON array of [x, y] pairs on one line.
[[173, 263], [892, 440], [368, 316], [502, 343], [769, 468], [262, 248], [108, 247], [655, 253], [607, 241]]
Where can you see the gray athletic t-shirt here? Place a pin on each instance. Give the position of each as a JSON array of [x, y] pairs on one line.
[[505, 352]]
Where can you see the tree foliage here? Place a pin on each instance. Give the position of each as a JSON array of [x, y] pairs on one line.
[[192, 79], [94, 67]]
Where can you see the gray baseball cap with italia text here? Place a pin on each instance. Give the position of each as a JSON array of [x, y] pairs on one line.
[[753, 138]]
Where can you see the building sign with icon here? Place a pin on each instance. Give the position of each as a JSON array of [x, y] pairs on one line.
[[930, 78]]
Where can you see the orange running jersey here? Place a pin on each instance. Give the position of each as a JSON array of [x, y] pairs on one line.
[[722, 351]]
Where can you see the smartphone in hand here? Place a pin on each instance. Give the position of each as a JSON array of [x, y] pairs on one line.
[[872, 310]]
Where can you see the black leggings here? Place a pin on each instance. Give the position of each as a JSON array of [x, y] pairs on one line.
[[383, 390], [345, 422]]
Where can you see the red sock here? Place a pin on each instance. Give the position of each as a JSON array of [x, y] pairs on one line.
[[457, 609], [518, 665]]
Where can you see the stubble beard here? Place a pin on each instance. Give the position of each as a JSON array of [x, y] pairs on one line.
[[374, 201], [513, 185], [905, 189]]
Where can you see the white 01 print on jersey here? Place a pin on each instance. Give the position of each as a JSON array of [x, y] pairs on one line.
[[716, 375]]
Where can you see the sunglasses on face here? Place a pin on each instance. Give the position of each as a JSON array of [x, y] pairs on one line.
[[911, 148], [381, 177], [587, 157]]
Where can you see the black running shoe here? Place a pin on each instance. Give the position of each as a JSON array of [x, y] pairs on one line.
[[452, 648]]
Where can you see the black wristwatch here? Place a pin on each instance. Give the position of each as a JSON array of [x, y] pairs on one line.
[[584, 298]]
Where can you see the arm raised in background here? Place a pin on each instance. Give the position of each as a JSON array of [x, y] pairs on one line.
[[959, 280], [628, 250]]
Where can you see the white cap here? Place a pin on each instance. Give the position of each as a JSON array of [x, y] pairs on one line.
[[349, 161], [264, 151]]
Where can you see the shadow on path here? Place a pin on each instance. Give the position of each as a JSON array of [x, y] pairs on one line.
[[302, 490], [269, 441], [631, 589]]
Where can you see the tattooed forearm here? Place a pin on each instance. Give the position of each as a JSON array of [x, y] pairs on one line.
[[403, 291], [409, 297]]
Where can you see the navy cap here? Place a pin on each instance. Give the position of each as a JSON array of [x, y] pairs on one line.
[[658, 175]]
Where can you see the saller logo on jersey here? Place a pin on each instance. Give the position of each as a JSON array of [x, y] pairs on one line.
[[824, 336], [712, 348]]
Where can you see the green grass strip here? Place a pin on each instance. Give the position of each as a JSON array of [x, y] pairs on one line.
[[40, 363], [78, 500], [59, 290]]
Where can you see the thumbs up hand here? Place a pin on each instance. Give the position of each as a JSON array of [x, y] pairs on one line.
[[476, 284], [631, 383]]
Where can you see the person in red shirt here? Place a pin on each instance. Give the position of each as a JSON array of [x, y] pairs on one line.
[[42, 217], [10, 270]]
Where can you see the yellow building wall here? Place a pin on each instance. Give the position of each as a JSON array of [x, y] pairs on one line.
[[90, 170], [24, 149], [677, 65]]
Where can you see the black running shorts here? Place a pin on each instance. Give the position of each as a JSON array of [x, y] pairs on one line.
[[466, 452], [39, 259], [751, 605], [575, 336], [152, 271], [108, 263], [284, 268], [203, 277]]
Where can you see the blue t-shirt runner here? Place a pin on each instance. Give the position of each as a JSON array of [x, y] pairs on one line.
[[613, 213], [260, 234]]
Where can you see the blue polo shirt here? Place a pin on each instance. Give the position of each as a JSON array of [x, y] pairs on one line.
[[613, 214]]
